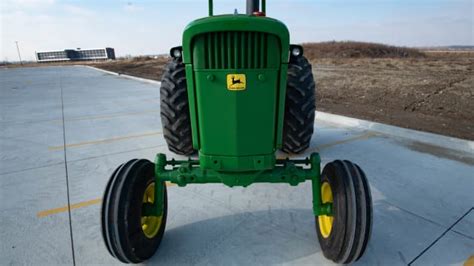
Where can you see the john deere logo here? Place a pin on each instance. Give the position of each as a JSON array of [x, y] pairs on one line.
[[236, 82]]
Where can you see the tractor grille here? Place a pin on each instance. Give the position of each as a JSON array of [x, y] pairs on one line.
[[235, 50]]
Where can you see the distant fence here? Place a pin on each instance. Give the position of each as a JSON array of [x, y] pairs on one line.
[[76, 55]]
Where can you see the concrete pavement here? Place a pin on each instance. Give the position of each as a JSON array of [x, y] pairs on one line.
[[422, 193]]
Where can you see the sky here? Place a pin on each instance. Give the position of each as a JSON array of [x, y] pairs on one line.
[[146, 27]]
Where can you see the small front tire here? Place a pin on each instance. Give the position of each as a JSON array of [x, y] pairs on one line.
[[343, 237], [130, 236]]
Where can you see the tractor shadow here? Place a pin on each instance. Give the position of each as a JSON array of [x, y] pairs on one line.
[[288, 236], [263, 237]]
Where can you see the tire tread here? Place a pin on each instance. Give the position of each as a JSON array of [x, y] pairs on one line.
[[121, 212], [300, 105], [174, 109], [352, 209]]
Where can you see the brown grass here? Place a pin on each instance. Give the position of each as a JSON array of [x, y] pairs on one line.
[[143, 66], [358, 50]]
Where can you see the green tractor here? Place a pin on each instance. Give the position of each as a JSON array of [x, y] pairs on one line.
[[235, 92]]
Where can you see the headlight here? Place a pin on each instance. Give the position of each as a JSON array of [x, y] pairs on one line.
[[176, 52], [296, 50]]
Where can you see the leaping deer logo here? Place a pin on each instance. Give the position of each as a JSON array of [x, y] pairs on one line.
[[236, 81]]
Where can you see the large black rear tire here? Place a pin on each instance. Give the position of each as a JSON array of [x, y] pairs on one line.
[[174, 109], [300, 106]]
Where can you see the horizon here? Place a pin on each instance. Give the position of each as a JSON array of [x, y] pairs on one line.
[[468, 48], [148, 28]]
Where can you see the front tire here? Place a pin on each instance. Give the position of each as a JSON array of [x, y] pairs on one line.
[[343, 237], [130, 236], [300, 105]]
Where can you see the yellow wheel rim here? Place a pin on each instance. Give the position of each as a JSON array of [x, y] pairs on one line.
[[325, 222], [150, 224]]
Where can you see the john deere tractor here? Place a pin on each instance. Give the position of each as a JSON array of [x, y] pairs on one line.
[[235, 92]]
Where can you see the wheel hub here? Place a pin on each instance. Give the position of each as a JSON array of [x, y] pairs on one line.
[[150, 224], [325, 221]]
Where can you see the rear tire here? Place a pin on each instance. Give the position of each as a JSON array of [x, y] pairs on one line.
[[352, 213], [122, 221], [300, 106], [174, 109]]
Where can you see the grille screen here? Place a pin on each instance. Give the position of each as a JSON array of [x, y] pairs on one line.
[[236, 50]]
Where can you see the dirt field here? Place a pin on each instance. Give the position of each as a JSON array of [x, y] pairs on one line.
[[434, 94], [430, 91]]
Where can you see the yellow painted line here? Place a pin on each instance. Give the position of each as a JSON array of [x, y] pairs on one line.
[[469, 261], [77, 206], [64, 209], [79, 144], [95, 117]]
